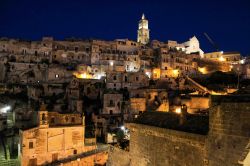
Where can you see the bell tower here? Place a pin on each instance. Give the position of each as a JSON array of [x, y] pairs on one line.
[[143, 31], [43, 117]]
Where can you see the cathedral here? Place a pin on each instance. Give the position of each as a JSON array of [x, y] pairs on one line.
[[143, 31]]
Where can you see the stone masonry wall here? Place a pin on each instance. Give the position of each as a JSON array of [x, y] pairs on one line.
[[118, 157], [153, 146], [229, 132]]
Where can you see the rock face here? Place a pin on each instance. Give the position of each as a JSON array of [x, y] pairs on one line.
[[224, 145]]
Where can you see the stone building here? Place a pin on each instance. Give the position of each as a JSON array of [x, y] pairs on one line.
[[230, 57], [129, 80], [112, 103], [193, 46], [195, 103], [148, 99], [56, 139], [175, 63]]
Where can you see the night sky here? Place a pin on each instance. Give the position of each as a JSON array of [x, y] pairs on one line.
[[226, 21]]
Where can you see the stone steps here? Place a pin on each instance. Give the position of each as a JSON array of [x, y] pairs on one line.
[[9, 162]]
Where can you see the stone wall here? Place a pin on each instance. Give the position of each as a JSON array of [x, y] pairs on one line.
[[229, 132], [118, 157], [157, 146]]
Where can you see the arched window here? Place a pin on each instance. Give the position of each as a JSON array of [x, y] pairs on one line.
[[43, 117]]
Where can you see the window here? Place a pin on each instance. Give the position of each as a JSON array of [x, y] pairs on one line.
[[32, 162], [88, 90], [30, 145], [137, 78], [73, 119], [52, 120], [57, 76], [111, 102], [126, 78], [76, 49], [75, 151], [114, 78], [24, 51], [55, 157], [43, 117], [110, 112]]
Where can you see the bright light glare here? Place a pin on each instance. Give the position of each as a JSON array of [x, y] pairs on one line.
[[148, 74], [242, 61], [178, 110], [5, 109], [122, 127], [222, 59], [111, 63]]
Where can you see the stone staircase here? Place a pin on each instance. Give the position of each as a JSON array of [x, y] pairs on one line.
[[11, 162], [3, 161]]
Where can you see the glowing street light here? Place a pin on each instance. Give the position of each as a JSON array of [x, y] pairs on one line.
[[202, 70], [242, 61], [178, 110], [123, 128], [148, 74], [175, 72], [5, 109], [221, 59]]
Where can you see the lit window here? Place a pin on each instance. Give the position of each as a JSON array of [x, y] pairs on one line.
[[57, 76]]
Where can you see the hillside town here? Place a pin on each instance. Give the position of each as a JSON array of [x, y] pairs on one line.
[[123, 102]]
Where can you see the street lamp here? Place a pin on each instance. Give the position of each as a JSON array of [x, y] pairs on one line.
[[123, 128], [178, 110], [5, 109]]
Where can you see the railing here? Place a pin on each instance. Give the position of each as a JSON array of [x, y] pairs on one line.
[[90, 141], [100, 148]]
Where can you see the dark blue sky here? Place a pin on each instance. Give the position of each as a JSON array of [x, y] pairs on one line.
[[226, 21]]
